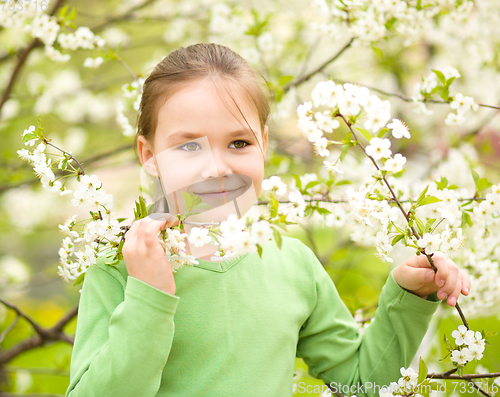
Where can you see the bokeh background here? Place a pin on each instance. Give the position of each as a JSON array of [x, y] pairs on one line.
[[285, 41]]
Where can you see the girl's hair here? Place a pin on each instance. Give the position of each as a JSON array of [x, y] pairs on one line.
[[195, 62]]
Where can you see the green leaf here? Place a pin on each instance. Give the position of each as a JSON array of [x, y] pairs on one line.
[[311, 184], [428, 225], [120, 246], [390, 22], [440, 76], [285, 79], [63, 11], [29, 136], [365, 133], [444, 93], [452, 187], [71, 16], [277, 237], [420, 225], [343, 182], [449, 81], [137, 211], [79, 279], [343, 153], [259, 250], [442, 183], [466, 219], [422, 371], [382, 132], [323, 211], [274, 207], [422, 194], [475, 175], [428, 200], [460, 371], [377, 51], [298, 182], [144, 211], [397, 238], [483, 184]]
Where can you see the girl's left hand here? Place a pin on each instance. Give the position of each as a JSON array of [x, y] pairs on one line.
[[415, 275]]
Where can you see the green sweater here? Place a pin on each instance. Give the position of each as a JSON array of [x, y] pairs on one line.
[[234, 329]]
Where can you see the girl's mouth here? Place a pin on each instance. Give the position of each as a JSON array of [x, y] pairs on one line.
[[227, 194]]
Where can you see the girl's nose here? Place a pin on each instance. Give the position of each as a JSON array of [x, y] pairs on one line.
[[217, 166]]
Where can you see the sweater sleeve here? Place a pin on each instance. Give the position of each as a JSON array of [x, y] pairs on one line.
[[123, 337], [335, 351]]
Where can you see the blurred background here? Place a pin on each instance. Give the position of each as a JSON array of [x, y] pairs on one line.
[[87, 108]]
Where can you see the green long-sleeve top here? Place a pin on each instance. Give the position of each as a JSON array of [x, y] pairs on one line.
[[235, 328]]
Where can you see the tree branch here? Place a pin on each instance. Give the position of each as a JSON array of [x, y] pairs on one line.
[[444, 375], [320, 68], [42, 336], [406, 99], [22, 60], [90, 160]]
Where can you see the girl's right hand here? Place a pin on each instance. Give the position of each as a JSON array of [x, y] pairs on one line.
[[144, 256]]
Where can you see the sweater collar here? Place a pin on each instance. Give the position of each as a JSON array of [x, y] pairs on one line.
[[220, 266]]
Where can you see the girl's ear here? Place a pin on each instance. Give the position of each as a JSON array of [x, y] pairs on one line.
[[146, 156]]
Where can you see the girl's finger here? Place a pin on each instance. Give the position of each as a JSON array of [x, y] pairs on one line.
[[154, 225], [132, 230], [442, 269], [465, 282], [451, 282], [452, 298]]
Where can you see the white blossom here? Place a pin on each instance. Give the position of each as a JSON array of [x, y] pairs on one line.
[[399, 129], [199, 236], [395, 164], [379, 148], [274, 183]]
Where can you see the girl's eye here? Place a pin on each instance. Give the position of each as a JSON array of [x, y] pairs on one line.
[[190, 146], [239, 144]]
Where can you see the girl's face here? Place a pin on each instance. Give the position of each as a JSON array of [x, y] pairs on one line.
[[203, 145]]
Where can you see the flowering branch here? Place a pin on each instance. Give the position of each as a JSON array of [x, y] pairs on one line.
[[405, 214], [407, 99], [22, 60]]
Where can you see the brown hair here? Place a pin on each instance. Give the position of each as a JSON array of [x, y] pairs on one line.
[[197, 61]]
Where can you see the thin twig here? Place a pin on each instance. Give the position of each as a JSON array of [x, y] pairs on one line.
[[9, 328], [464, 377], [320, 68], [480, 389], [46, 141], [406, 99], [18, 311]]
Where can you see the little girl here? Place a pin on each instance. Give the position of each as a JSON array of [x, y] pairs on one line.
[[232, 328]]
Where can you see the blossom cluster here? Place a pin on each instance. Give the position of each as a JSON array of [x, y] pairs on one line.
[[470, 346], [130, 91], [236, 238], [371, 21], [175, 249], [407, 385], [42, 164], [30, 20]]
